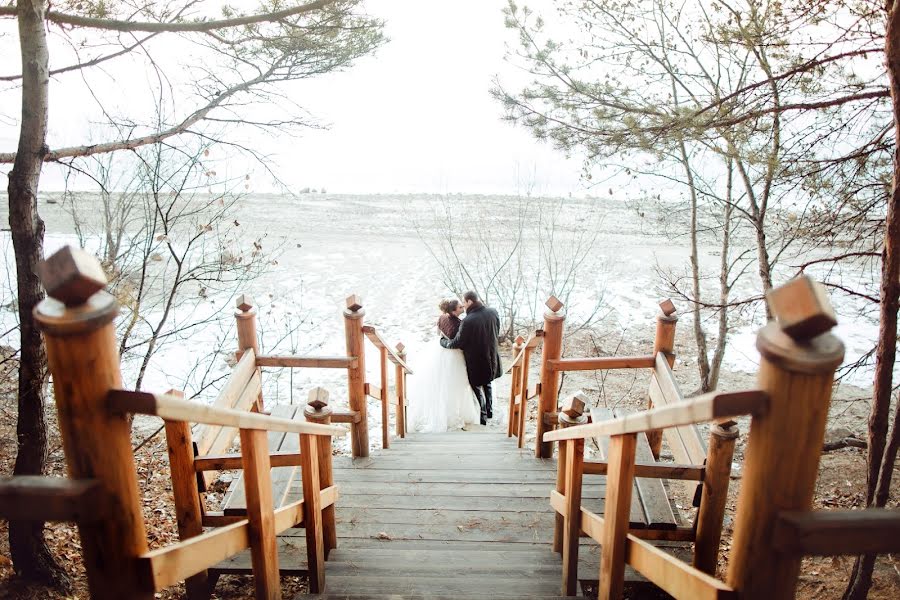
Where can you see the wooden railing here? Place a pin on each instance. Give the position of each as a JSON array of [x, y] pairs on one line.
[[354, 362], [102, 493], [774, 526], [520, 393]]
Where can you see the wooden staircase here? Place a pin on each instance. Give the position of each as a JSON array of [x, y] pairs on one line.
[[460, 514]]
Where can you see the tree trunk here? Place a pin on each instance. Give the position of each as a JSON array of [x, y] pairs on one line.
[[724, 285], [30, 555], [879, 472]]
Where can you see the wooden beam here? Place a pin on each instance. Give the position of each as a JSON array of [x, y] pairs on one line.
[[373, 391], [224, 462], [174, 409], [535, 390], [217, 518], [345, 416], [653, 470], [307, 362], [572, 520], [707, 407], [834, 532], [671, 575], [39, 498], [312, 496], [602, 363]]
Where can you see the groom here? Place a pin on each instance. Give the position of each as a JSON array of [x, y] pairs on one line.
[[477, 338]]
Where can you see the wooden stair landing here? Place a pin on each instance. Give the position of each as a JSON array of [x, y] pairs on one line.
[[461, 514]]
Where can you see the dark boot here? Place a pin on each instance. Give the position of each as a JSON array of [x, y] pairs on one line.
[[488, 401], [481, 402]]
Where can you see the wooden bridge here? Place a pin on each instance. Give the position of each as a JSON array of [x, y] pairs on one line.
[[463, 515]]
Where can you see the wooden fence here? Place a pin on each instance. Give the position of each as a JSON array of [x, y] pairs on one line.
[[774, 526]]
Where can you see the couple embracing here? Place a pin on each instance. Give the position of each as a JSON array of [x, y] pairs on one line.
[[454, 387]]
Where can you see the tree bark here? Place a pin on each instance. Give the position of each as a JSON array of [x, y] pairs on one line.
[[31, 557], [880, 464]]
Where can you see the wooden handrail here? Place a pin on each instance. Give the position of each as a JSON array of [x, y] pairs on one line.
[[652, 470], [834, 532], [310, 362], [708, 407], [598, 363], [172, 408], [44, 498], [379, 343], [536, 338]]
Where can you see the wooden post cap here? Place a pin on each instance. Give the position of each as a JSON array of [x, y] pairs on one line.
[[667, 307], [554, 304], [354, 303], [71, 276], [244, 302], [519, 340], [318, 398], [573, 406], [802, 308], [400, 347]]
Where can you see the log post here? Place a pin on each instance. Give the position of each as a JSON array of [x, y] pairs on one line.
[[312, 512], [571, 413], [798, 360], [318, 411], [356, 375], [523, 396], [188, 506], [512, 419], [77, 323], [385, 403], [554, 321], [245, 316], [400, 386], [663, 342], [722, 437]]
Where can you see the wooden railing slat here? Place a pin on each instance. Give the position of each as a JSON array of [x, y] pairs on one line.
[[708, 407], [260, 513], [174, 409], [309, 362], [672, 575], [598, 363], [652, 470], [379, 343], [226, 462], [315, 545]]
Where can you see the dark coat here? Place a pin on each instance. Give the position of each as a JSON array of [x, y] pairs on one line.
[[477, 338]]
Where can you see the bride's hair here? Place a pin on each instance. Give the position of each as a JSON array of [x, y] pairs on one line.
[[448, 306]]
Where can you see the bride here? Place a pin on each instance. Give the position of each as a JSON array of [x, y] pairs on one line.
[[440, 395]]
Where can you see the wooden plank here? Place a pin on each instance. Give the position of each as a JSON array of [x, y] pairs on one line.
[[283, 477], [349, 487], [665, 378], [225, 436], [672, 435], [39, 498], [601, 363], [227, 462], [461, 463], [708, 407], [168, 407], [260, 514], [672, 575], [307, 362], [636, 516], [620, 482], [653, 470], [447, 502], [834, 532], [652, 493]]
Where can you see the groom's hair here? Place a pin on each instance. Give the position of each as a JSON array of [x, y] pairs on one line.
[[470, 296]]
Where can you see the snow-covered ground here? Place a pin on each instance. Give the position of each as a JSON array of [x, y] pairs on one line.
[[333, 246]]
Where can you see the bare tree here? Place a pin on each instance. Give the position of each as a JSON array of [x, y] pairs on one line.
[[249, 54]]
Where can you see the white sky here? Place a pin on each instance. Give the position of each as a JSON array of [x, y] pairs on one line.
[[416, 117]]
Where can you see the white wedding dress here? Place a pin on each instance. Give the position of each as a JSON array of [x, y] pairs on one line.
[[440, 398]]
